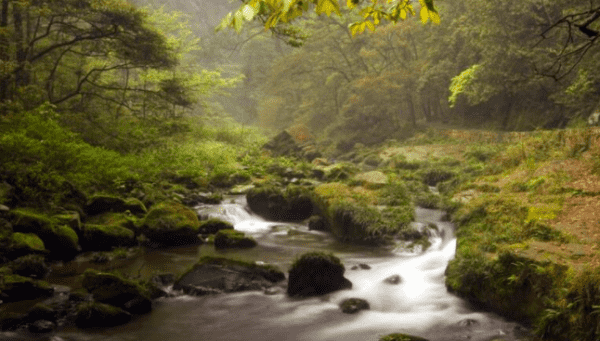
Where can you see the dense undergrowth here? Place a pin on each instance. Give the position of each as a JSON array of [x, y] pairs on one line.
[[42, 161]]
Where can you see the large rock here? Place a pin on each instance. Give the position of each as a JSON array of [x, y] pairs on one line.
[[226, 239], [354, 305], [214, 225], [100, 204], [316, 273], [95, 315], [15, 288], [104, 203], [171, 224], [21, 244], [273, 203], [61, 240], [117, 291], [217, 274], [31, 265], [108, 230]]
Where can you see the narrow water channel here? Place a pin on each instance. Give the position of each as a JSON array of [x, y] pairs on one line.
[[418, 305]]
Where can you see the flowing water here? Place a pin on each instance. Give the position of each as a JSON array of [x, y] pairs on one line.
[[418, 305]]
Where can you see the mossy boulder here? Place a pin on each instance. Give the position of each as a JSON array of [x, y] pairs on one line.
[[316, 273], [99, 204], [214, 225], [219, 274], [61, 240], [115, 290], [15, 288], [41, 311], [32, 265], [98, 315], [292, 204], [70, 218], [135, 206], [401, 337], [354, 305], [171, 224], [225, 239], [22, 244], [108, 231]]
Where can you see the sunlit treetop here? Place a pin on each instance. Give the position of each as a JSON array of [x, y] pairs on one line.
[[273, 13]]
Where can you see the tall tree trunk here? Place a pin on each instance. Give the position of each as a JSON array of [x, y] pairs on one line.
[[426, 112], [4, 56]]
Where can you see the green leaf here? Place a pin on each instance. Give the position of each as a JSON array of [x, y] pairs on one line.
[[357, 28], [238, 20], [287, 4], [224, 23], [249, 12], [424, 15], [328, 7]]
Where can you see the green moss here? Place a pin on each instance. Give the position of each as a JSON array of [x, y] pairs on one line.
[[94, 314], [105, 237], [171, 215], [312, 257], [27, 241], [61, 240], [232, 239], [214, 225], [270, 272], [135, 206]]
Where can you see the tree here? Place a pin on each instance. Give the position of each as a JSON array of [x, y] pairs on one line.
[[580, 31]]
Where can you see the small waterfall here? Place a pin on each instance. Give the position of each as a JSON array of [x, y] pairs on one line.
[[235, 210]]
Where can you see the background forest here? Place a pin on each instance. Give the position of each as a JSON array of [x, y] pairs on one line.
[[145, 79]]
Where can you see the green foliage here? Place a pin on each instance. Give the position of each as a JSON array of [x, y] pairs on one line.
[[577, 315], [515, 286], [27, 241]]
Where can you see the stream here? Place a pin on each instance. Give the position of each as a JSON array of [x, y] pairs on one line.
[[419, 305]]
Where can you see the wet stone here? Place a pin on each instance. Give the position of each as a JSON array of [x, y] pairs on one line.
[[364, 266], [395, 279], [354, 305], [468, 322], [272, 291], [42, 326]]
